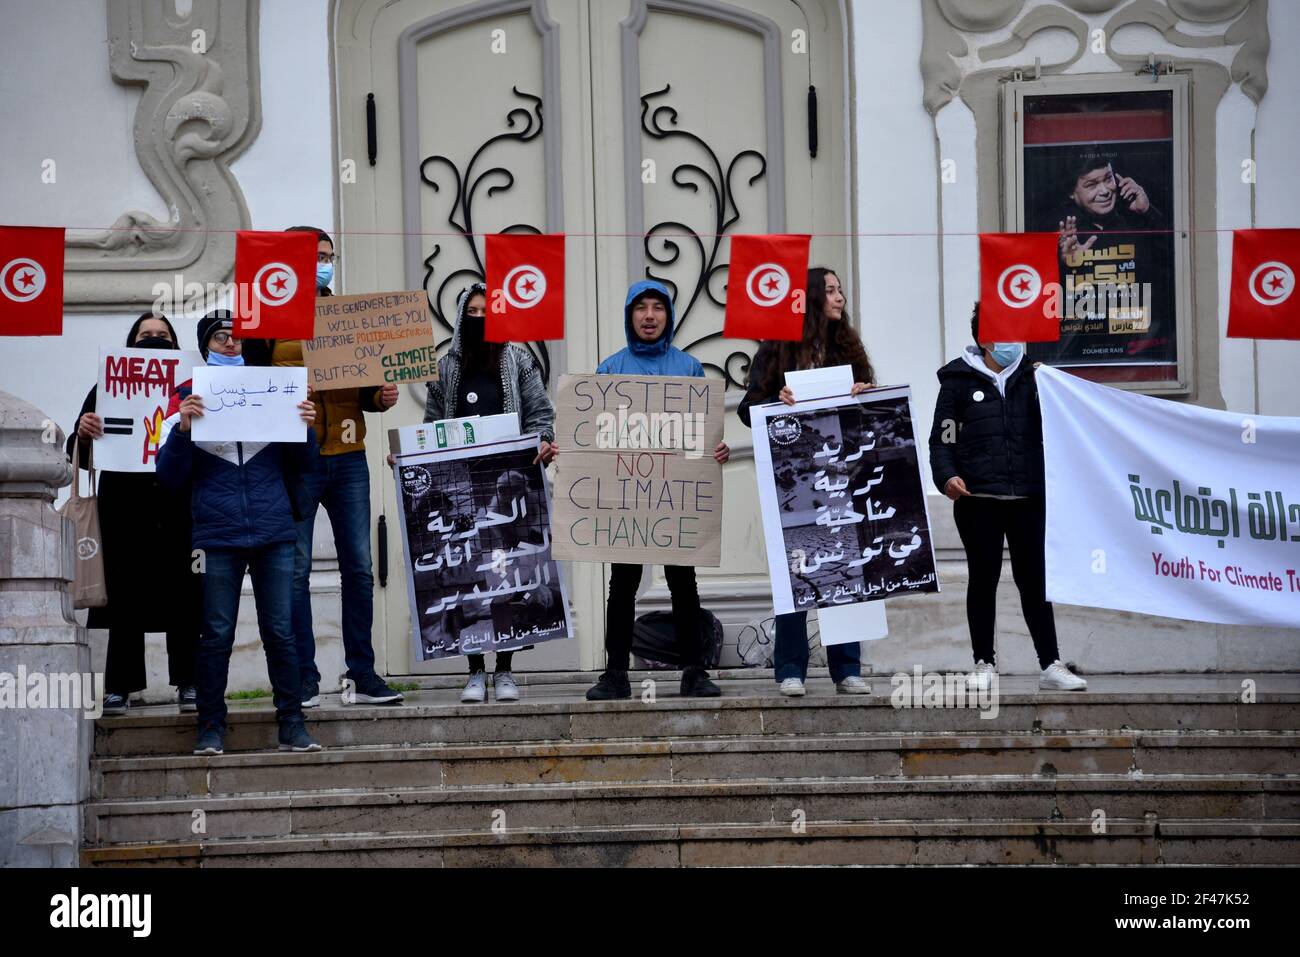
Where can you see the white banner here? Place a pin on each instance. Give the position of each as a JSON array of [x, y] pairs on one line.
[[135, 386], [1170, 509]]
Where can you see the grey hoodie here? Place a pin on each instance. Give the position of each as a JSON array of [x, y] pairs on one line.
[[522, 388]]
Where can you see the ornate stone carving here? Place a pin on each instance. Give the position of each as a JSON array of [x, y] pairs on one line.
[[950, 24], [200, 109]]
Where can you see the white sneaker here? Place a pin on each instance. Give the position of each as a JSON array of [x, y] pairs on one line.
[[792, 688], [475, 689], [504, 687], [981, 677], [1057, 677], [852, 685]]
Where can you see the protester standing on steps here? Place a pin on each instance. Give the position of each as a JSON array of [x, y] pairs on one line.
[[829, 339], [648, 320], [986, 454], [242, 522], [145, 536], [477, 377], [337, 477]]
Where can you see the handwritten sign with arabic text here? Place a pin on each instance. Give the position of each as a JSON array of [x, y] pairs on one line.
[[250, 404]]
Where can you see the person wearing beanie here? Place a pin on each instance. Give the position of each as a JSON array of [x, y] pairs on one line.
[[335, 476], [477, 377], [242, 521], [648, 321], [145, 538]]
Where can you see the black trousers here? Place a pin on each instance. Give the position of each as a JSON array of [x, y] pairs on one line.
[[620, 614], [983, 523], [124, 669]]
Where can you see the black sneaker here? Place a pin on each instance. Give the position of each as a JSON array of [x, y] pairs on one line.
[[188, 699], [212, 739], [294, 737], [696, 684], [611, 686], [116, 704], [372, 690]]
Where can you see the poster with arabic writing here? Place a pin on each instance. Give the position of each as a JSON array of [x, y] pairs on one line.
[[477, 542], [844, 509]]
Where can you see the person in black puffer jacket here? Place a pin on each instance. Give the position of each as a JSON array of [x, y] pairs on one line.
[[986, 454]]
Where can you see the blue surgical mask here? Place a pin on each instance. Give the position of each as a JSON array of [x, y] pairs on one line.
[[324, 274], [218, 359], [1006, 353]]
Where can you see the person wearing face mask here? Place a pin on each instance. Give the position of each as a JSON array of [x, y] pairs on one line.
[[986, 454], [829, 339], [145, 533], [242, 522], [337, 478], [477, 377]]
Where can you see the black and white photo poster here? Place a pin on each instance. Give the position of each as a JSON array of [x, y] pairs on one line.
[[476, 536], [844, 509]]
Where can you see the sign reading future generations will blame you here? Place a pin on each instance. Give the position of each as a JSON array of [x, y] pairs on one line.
[[636, 480], [844, 509], [134, 388], [370, 340], [476, 537], [1169, 509]]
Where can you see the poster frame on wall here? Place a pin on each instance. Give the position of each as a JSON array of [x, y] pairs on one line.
[[1013, 93]]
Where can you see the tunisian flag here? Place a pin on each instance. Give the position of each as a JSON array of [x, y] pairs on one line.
[[1264, 267], [1020, 288], [766, 294], [275, 276], [31, 281], [525, 287]]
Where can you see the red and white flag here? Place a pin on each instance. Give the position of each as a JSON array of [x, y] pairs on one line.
[[31, 281], [525, 287], [1264, 267], [1020, 288], [275, 276], [766, 287]]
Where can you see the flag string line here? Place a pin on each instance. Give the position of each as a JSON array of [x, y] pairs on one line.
[[654, 235]]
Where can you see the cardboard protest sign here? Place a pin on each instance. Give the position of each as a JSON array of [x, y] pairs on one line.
[[370, 340], [843, 501], [636, 480], [476, 537], [250, 404], [134, 388]]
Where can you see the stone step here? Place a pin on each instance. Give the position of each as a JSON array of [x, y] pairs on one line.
[[533, 807], [434, 717], [1252, 843], [906, 757]]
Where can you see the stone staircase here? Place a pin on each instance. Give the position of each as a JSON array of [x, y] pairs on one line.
[[1138, 770]]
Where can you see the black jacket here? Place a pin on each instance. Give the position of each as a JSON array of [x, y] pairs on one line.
[[994, 444]]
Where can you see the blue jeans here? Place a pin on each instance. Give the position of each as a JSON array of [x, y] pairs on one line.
[[341, 483], [790, 656], [271, 567]]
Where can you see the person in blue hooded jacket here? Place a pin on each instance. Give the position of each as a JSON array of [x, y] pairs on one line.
[[648, 318], [242, 520]]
